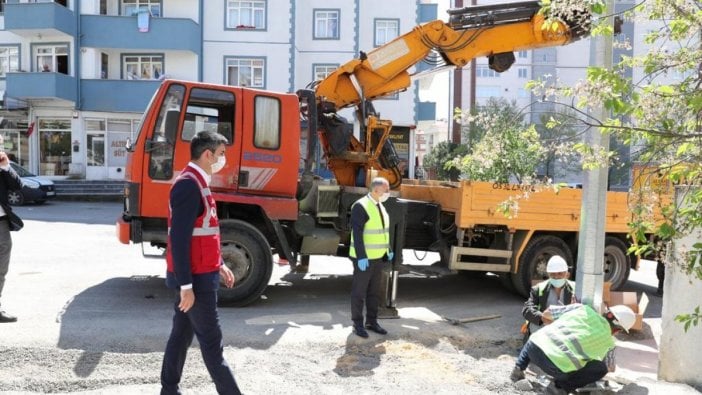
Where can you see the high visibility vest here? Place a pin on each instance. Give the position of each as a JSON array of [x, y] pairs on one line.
[[577, 337], [205, 249], [376, 237]]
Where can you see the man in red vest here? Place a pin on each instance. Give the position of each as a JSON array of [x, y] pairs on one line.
[[195, 267]]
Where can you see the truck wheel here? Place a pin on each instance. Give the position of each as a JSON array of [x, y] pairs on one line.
[[247, 253], [532, 264], [617, 263]]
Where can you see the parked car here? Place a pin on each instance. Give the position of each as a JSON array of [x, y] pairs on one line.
[[34, 188]]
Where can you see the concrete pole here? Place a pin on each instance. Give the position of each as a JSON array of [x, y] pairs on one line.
[[590, 262]]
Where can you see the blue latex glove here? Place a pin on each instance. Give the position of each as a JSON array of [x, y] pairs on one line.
[[390, 255], [363, 264]]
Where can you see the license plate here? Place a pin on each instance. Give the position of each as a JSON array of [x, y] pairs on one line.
[[50, 193]]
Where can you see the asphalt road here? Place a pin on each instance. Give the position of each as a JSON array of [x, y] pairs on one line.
[[93, 310]]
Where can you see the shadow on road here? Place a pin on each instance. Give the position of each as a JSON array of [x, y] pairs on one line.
[[133, 315]]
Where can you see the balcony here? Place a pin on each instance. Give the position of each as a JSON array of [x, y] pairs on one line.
[[32, 19], [116, 95], [41, 86], [121, 32]]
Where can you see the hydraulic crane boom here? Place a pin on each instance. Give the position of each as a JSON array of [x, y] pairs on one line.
[[495, 31]]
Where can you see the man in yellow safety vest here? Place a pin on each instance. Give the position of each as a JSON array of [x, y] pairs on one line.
[[573, 348], [369, 249]]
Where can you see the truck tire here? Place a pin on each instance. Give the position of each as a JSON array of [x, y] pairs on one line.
[[617, 262], [532, 264], [247, 253]]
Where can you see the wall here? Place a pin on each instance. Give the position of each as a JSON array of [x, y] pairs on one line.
[[681, 294]]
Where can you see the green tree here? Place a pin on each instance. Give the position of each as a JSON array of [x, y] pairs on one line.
[[659, 113], [442, 154], [506, 148]]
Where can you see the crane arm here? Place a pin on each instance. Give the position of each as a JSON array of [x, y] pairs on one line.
[[471, 32], [495, 31]]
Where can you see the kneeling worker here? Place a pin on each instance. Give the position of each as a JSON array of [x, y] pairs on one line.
[[556, 291], [573, 348]]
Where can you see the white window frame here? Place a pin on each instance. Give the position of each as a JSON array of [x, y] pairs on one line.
[[47, 54], [523, 54], [523, 72], [486, 72], [386, 30], [9, 60], [326, 24], [147, 66], [249, 14], [255, 66], [132, 7], [321, 71]]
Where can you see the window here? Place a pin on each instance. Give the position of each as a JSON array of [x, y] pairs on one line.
[[487, 91], [523, 93], [161, 158], [523, 72], [386, 30], [267, 126], [209, 109], [246, 14], [2, 6], [51, 58], [246, 72], [54, 146], [485, 71], [95, 138], [9, 60], [326, 24], [133, 7], [522, 54], [142, 67], [322, 71]]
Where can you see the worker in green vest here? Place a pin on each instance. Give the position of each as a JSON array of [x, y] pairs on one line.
[[556, 291], [369, 249], [573, 348]]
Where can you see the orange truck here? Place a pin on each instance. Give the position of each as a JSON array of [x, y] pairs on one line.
[[266, 206]]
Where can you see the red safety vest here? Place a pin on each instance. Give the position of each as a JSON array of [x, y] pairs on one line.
[[205, 250]]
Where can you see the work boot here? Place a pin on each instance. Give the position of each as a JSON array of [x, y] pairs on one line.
[[517, 374], [4, 317], [375, 327], [360, 331], [552, 389]]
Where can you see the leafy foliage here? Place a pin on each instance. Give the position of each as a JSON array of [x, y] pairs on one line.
[[440, 155], [659, 113]]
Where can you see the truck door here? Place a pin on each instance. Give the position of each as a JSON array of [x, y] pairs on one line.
[[270, 144], [182, 114]]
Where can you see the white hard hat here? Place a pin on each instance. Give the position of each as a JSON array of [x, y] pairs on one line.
[[624, 315], [556, 264]]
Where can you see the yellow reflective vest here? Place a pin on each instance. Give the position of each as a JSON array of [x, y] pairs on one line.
[[576, 338], [376, 237]]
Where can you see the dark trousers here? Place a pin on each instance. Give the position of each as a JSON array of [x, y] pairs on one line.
[[201, 321], [591, 372], [5, 249], [366, 286]]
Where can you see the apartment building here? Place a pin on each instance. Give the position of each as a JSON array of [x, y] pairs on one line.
[[76, 75]]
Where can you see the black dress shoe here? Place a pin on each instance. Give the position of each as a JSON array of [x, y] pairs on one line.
[[4, 317], [377, 328], [360, 331]]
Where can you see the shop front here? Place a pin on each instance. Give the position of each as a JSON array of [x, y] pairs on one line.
[[13, 129]]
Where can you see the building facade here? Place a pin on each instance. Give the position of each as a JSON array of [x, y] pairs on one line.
[[76, 75]]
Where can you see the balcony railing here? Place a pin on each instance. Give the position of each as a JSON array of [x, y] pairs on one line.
[[117, 95], [29, 19], [122, 32], [46, 86]]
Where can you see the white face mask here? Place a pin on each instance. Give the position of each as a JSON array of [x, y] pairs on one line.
[[384, 197], [219, 165], [558, 282]]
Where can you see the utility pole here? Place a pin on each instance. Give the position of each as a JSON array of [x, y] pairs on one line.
[[590, 262], [457, 93]]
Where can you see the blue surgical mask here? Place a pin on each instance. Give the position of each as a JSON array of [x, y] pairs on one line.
[[557, 282]]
